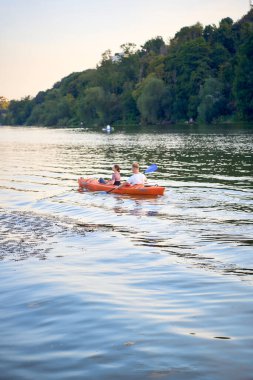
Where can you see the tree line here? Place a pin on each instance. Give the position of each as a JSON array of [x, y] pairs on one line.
[[203, 74]]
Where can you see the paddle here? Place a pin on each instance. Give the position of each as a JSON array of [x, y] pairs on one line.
[[152, 168]]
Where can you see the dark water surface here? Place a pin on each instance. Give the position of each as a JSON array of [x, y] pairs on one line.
[[103, 286]]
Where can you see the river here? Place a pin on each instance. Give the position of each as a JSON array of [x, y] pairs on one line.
[[106, 286]]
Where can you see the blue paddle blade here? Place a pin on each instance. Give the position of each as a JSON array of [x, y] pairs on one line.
[[151, 169]]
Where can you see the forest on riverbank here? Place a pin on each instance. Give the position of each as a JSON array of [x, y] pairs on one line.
[[203, 74]]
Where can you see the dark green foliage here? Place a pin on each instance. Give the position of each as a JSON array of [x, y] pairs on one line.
[[188, 33], [244, 80], [225, 35], [203, 73], [186, 70], [211, 100], [19, 111], [155, 46], [150, 101]]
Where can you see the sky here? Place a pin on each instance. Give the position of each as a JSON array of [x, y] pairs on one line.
[[42, 41]]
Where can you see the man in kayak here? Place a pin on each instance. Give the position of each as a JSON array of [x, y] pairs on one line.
[[136, 178]]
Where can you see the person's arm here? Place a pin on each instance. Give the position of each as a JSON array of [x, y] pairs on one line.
[[123, 184], [126, 183], [111, 181]]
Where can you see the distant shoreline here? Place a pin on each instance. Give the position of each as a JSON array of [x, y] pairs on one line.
[[203, 75]]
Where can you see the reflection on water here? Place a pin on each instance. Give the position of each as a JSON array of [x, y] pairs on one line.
[[103, 286]]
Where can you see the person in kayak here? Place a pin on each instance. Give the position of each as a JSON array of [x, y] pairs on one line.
[[136, 178], [115, 177]]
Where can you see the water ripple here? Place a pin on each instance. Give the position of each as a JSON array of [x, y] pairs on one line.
[[103, 286]]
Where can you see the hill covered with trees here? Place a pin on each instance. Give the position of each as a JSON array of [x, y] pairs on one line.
[[203, 74]]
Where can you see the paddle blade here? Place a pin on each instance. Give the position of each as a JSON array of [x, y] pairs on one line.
[[152, 168]]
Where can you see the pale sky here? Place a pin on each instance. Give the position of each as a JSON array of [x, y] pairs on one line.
[[41, 41]]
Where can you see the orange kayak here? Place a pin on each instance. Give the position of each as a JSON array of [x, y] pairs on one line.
[[93, 185]]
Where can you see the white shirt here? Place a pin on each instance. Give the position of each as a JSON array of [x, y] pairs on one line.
[[137, 179]]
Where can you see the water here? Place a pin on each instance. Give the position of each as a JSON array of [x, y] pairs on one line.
[[103, 286]]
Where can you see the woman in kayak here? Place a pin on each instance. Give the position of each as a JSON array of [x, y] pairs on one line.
[[115, 177], [136, 178]]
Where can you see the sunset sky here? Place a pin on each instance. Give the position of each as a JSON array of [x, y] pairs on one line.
[[41, 41]]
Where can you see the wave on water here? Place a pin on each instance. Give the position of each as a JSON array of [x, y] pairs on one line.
[[97, 285]]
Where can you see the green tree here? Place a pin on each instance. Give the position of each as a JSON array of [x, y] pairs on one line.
[[211, 100], [128, 49], [186, 68], [150, 101], [4, 104], [19, 111], [243, 85], [98, 106], [154, 45], [187, 33], [225, 34], [92, 105]]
